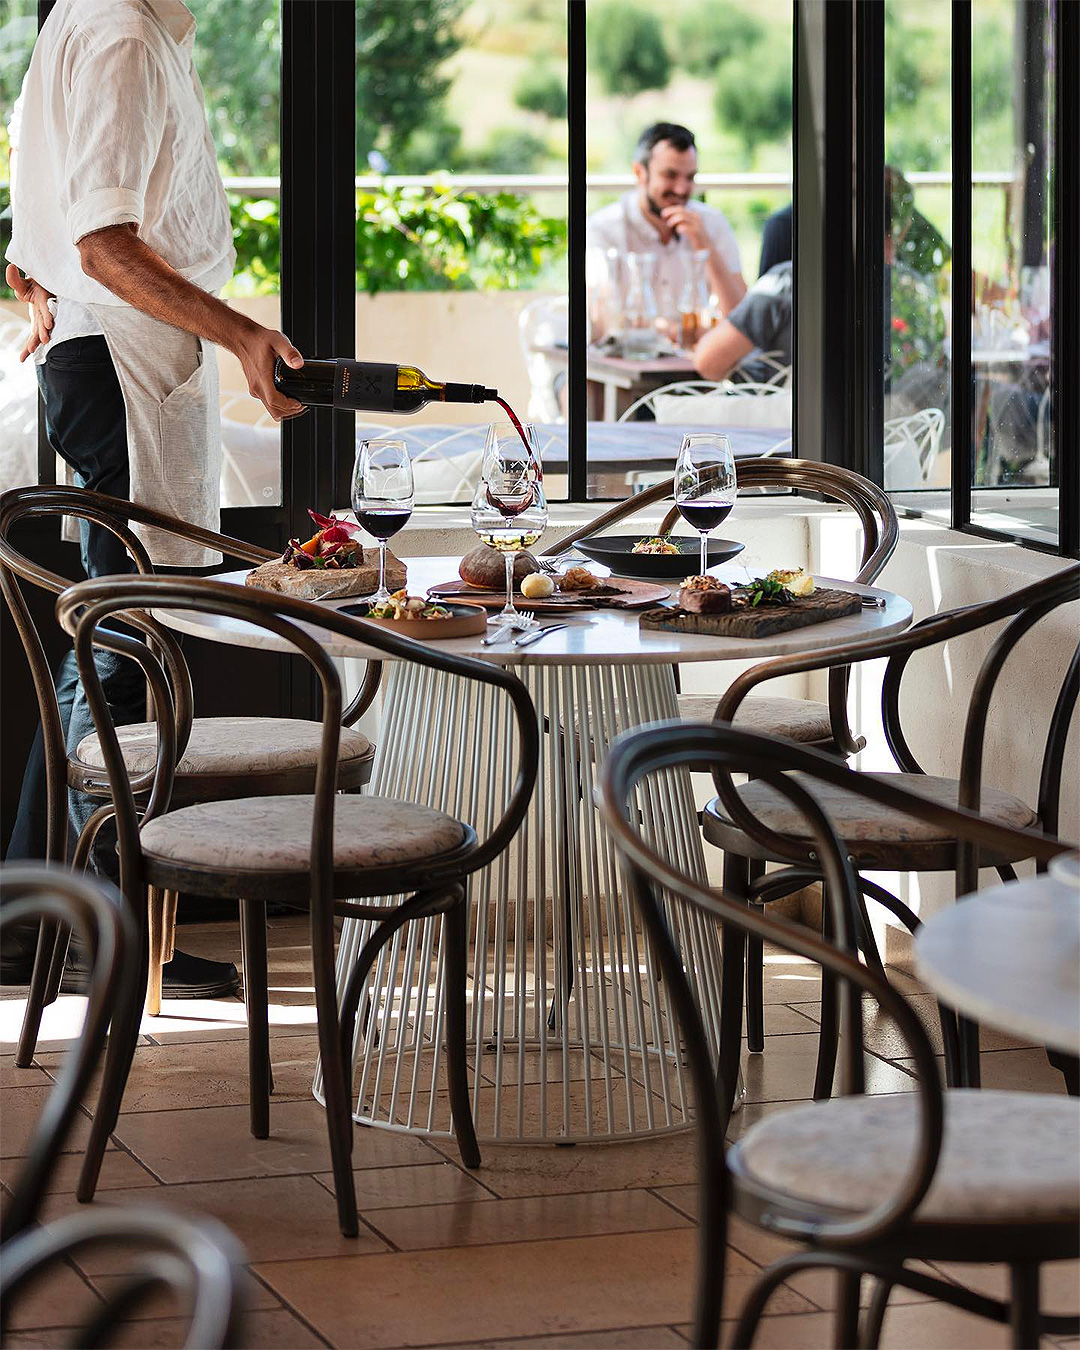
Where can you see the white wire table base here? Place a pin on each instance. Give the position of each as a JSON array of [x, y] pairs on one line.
[[571, 1033]]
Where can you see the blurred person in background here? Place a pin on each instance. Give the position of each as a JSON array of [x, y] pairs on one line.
[[761, 322], [659, 216]]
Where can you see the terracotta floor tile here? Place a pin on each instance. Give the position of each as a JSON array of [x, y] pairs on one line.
[[21, 1110], [532, 1219], [1059, 1283], [780, 1020], [12, 1077], [529, 1068], [1013, 1071], [216, 1143], [163, 1303], [880, 1034], [427, 1185], [512, 1170], [424, 1298], [119, 1171], [188, 1021], [625, 1338], [936, 1324], [61, 1022], [167, 1078], [785, 1071], [270, 1330], [61, 1299], [273, 1218]]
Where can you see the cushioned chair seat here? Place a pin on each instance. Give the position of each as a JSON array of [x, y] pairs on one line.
[[859, 820], [799, 719], [225, 745], [256, 834], [1006, 1156]]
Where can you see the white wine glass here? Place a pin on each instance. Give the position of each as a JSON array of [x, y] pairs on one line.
[[509, 509], [382, 495], [705, 484]]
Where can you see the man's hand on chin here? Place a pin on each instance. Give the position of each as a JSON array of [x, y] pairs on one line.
[[688, 224], [37, 298]]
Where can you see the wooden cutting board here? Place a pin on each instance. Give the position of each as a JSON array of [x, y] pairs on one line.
[[626, 594], [761, 622]]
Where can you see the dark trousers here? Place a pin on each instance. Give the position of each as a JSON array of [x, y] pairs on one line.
[[87, 427]]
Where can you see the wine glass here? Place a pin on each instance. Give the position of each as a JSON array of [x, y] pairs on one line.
[[509, 509], [705, 484], [382, 495]]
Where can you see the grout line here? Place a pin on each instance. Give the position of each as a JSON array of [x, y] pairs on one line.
[[289, 1307]]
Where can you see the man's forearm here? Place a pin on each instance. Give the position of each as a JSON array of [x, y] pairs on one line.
[[121, 262], [726, 285]]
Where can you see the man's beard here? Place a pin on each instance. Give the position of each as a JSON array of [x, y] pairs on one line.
[[658, 210]]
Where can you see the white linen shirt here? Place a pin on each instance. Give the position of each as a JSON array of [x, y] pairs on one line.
[[111, 128], [622, 226]]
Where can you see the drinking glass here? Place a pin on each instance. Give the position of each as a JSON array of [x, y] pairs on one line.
[[382, 495], [705, 484], [509, 509]]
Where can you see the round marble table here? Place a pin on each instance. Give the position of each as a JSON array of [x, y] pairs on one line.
[[571, 1033], [1009, 957]]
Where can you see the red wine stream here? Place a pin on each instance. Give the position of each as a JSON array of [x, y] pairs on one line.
[[517, 425]]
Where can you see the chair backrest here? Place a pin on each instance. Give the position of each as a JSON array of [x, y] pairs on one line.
[[1024, 608], [658, 885], [83, 610], [197, 1259], [911, 444], [112, 514], [96, 909]]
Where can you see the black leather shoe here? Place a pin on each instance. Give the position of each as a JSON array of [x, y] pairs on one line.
[[183, 977]]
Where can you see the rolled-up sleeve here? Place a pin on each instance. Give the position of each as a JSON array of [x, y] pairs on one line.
[[115, 108]]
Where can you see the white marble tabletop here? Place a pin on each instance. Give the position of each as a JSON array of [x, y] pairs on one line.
[[589, 638], [1010, 958]]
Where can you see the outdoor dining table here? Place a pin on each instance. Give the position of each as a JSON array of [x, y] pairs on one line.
[[614, 382], [1010, 957], [570, 1030]]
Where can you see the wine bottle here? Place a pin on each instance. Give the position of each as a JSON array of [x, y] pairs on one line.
[[373, 386]]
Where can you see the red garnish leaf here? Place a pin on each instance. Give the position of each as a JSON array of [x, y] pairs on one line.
[[337, 530]]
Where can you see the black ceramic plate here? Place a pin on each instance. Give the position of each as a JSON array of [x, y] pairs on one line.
[[615, 551]]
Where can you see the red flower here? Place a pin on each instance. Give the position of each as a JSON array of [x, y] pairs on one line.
[[899, 326]]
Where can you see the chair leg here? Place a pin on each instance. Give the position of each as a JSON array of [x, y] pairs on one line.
[[456, 937], [339, 1122], [755, 980], [950, 1038], [119, 1054], [256, 1002], [1069, 1068], [38, 994], [732, 976], [968, 1032], [1024, 1306], [829, 1035], [847, 1309], [155, 913], [168, 927], [874, 1317]]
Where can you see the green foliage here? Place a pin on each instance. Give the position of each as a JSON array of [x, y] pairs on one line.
[[541, 90], [625, 45], [511, 150], [239, 64], [917, 321], [409, 239], [6, 293], [757, 109], [401, 48], [710, 34]]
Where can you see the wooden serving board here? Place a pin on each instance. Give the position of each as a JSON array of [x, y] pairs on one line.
[[761, 622], [628, 594]]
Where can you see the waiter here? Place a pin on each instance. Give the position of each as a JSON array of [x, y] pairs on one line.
[[121, 232]]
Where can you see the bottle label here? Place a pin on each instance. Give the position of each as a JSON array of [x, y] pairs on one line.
[[370, 385]]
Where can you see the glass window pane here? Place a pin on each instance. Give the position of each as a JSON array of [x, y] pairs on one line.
[[240, 68], [669, 254], [18, 386], [461, 142], [1014, 471], [918, 270]]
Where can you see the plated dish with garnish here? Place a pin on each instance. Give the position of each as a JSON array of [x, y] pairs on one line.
[[330, 565], [655, 557], [423, 618]]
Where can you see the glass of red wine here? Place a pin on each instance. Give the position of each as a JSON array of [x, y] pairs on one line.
[[509, 509], [705, 484], [382, 495]]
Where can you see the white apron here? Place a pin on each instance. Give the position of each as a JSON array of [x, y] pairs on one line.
[[169, 380]]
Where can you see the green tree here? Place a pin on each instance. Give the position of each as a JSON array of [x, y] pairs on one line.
[[240, 68], [625, 46], [709, 34], [541, 90], [401, 48], [753, 95], [511, 150]]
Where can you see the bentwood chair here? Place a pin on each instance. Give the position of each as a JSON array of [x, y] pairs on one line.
[[320, 849], [217, 757], [97, 910], [822, 725], [754, 823], [865, 1183]]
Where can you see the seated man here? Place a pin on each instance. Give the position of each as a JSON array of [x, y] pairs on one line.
[[761, 321], [659, 217]]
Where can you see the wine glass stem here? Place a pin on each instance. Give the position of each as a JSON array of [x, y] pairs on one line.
[[508, 558], [382, 567], [704, 551]]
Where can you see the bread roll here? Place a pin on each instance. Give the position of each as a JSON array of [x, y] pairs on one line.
[[484, 568]]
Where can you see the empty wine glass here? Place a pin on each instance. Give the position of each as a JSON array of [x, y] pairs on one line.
[[509, 509], [705, 484], [382, 495]]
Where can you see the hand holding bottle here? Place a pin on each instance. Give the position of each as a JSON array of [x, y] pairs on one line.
[[258, 349]]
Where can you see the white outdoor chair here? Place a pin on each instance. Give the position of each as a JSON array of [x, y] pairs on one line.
[[440, 476], [250, 454], [542, 323], [911, 446], [777, 362]]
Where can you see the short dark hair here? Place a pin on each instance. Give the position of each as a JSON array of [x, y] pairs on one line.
[[682, 138]]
